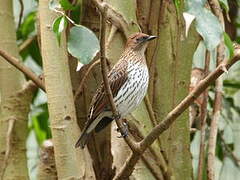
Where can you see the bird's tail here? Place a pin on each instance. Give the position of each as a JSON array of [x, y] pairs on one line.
[[82, 140]]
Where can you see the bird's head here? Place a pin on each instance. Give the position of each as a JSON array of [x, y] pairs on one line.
[[139, 41]]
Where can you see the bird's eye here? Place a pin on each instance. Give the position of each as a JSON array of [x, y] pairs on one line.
[[141, 39]]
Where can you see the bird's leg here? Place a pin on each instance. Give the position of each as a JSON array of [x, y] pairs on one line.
[[125, 130], [116, 116], [124, 126]]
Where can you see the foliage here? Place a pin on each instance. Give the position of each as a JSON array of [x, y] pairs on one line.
[[207, 25], [58, 27], [83, 44]]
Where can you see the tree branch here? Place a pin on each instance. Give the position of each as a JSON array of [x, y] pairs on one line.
[[128, 167], [26, 43], [16, 63], [215, 6], [21, 12], [80, 87], [11, 122]]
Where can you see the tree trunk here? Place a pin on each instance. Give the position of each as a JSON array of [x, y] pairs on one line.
[[15, 103], [70, 162], [170, 75]]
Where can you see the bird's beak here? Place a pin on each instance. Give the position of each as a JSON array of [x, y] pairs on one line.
[[151, 38]]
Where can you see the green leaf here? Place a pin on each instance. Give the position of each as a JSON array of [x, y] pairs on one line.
[[83, 44], [228, 42], [40, 134], [209, 28], [40, 122], [207, 25], [27, 27], [66, 5], [58, 26]]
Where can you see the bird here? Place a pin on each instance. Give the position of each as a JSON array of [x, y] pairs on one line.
[[128, 80]]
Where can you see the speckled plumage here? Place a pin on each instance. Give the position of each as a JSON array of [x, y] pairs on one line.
[[128, 81]]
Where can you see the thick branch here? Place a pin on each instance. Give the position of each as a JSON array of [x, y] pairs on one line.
[[16, 63], [128, 167]]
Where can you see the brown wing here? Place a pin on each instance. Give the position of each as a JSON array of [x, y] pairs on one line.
[[117, 77]]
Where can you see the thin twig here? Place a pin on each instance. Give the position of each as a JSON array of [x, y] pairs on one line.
[[111, 35], [16, 63], [108, 91], [128, 166], [11, 122], [152, 116], [215, 6], [21, 12], [150, 111], [80, 87], [26, 43], [203, 117]]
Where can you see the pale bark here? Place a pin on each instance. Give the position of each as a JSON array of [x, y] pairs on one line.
[[14, 101], [70, 162]]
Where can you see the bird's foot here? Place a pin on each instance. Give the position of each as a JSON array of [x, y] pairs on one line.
[[116, 116], [125, 130]]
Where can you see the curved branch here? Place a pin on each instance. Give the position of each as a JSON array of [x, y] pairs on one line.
[[15, 62]]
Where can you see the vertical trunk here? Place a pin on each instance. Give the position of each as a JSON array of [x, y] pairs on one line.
[[170, 81], [14, 103], [70, 162]]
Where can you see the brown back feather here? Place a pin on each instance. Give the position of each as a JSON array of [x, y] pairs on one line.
[[117, 77]]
